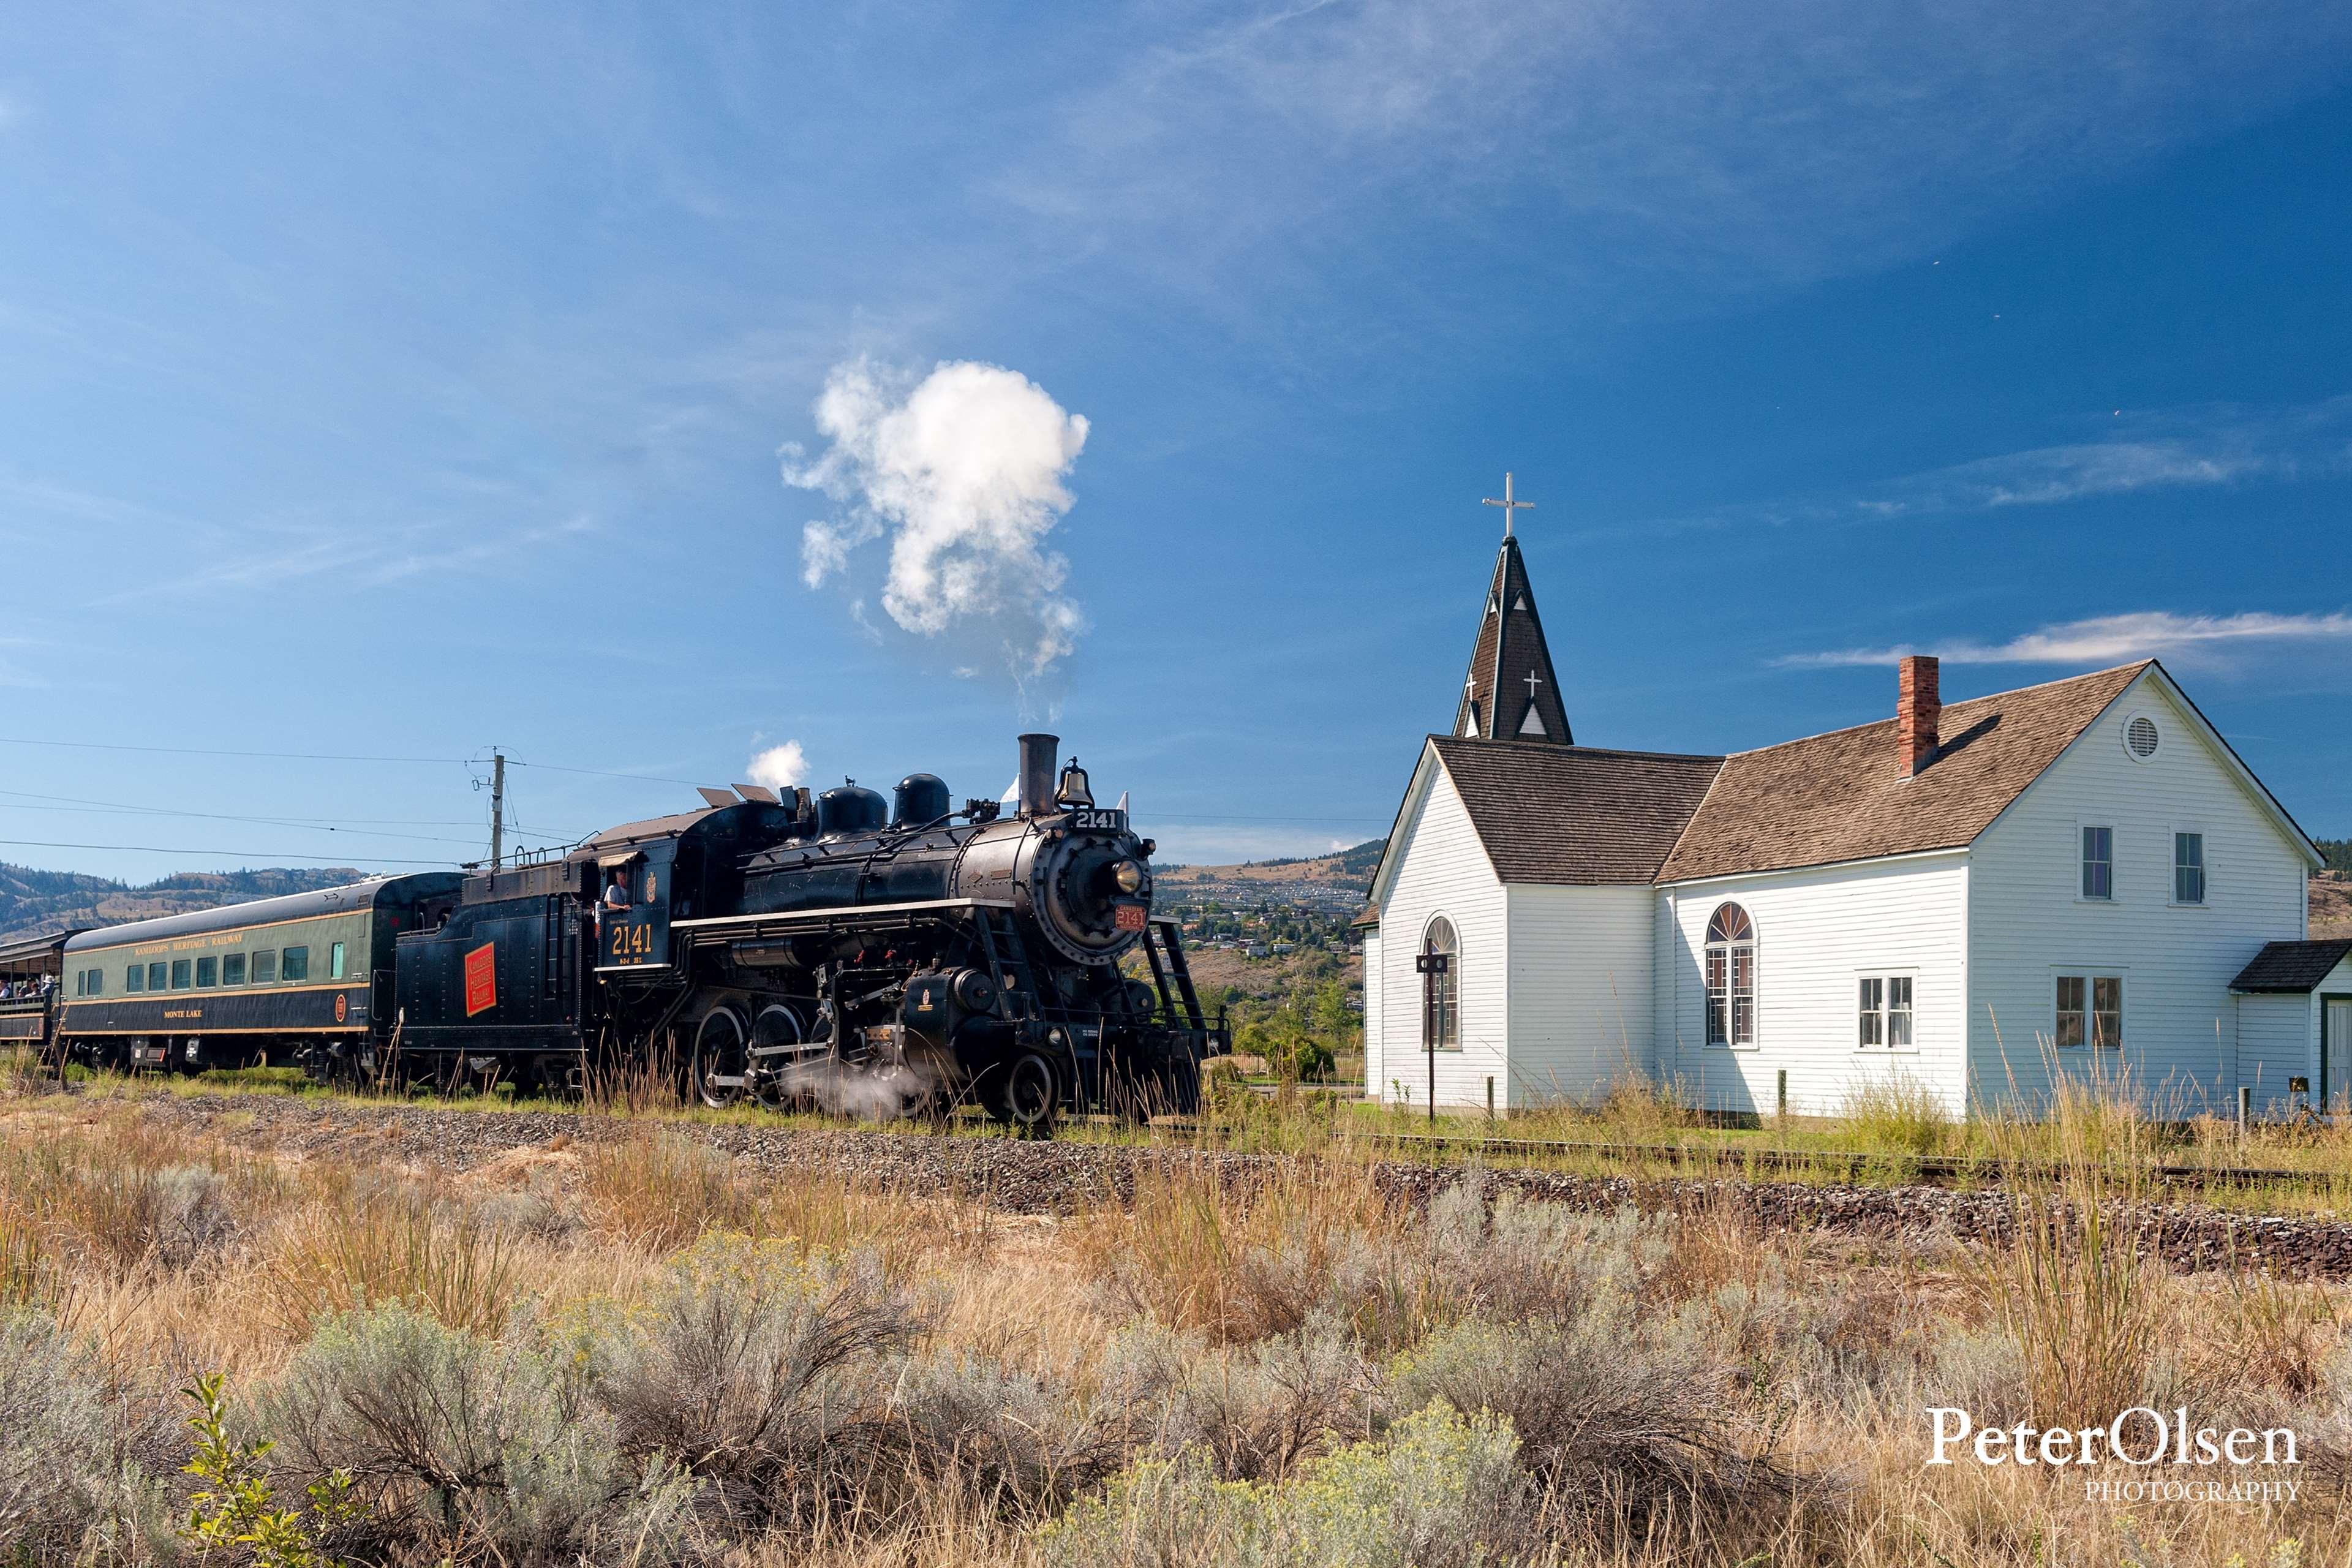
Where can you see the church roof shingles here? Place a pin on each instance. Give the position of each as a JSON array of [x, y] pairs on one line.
[[1843, 796], [1575, 814], [1584, 815]]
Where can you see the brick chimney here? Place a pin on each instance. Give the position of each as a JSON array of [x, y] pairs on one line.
[[1918, 706]]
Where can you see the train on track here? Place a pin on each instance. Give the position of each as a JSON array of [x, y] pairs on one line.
[[885, 957]]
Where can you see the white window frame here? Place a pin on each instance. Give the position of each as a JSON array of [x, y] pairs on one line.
[[1754, 942], [2090, 975], [1453, 973], [1885, 978], [2204, 867], [2081, 859]]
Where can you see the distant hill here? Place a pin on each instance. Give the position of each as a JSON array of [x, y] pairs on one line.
[[1346, 866], [2331, 904], [34, 903]]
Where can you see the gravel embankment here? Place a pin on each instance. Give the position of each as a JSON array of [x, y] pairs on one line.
[[1065, 1177]]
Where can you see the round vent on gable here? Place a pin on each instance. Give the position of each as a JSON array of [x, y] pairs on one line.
[[2141, 737]]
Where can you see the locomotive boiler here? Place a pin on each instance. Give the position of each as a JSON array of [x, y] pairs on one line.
[[883, 956]]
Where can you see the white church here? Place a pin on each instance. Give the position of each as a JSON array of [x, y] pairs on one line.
[[2077, 876]]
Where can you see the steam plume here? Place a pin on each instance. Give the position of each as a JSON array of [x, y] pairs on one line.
[[778, 767], [963, 471]]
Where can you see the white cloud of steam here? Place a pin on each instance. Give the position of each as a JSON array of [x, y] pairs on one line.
[[778, 767], [2115, 639], [962, 470]]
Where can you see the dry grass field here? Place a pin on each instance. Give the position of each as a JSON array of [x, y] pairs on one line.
[[633, 1350]]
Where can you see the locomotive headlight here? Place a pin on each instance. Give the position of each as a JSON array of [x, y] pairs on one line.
[[1129, 876]]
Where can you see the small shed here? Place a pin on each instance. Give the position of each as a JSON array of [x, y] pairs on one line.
[[2294, 1020]]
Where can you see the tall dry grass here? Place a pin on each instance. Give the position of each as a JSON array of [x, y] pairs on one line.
[[1684, 1391]]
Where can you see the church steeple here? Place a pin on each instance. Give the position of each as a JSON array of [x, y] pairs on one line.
[[1510, 694]]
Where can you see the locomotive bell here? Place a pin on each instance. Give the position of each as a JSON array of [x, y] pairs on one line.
[[1073, 789]]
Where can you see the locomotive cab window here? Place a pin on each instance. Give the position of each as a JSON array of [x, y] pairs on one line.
[[293, 964], [233, 969], [208, 973], [265, 967]]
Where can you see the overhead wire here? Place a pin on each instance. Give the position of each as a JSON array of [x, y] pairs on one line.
[[25, 800], [251, 854]]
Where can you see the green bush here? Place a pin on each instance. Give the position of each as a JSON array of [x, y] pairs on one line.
[[73, 1484], [1440, 1490], [471, 1443]]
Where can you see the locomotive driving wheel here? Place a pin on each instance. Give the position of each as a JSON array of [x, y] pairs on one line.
[[721, 1053], [1025, 1094]]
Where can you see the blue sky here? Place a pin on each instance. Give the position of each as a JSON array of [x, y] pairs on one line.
[[401, 385]]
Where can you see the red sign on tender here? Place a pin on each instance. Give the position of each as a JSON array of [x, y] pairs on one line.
[[482, 979]]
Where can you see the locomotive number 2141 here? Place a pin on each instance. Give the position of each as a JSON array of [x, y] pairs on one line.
[[630, 941]]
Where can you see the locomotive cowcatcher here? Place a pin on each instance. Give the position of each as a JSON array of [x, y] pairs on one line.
[[881, 957]]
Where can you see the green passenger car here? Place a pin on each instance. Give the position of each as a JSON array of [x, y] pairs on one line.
[[274, 980]]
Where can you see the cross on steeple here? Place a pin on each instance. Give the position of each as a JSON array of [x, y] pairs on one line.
[[1508, 505]]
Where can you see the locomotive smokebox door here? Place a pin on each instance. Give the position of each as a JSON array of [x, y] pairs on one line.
[[635, 933]]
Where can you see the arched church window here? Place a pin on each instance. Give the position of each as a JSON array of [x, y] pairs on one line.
[[1730, 978], [1441, 996]]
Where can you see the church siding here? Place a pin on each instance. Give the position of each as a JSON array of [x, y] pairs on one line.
[[1579, 991], [1441, 868], [2187, 1041], [1818, 933], [2276, 1041]]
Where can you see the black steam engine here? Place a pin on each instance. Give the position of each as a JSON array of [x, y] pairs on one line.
[[883, 957]]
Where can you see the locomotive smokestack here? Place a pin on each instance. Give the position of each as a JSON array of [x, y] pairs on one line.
[[1038, 755]]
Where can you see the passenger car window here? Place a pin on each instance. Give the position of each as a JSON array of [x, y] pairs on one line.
[[154, 977], [233, 969], [265, 967], [293, 964], [181, 969], [335, 962], [135, 978], [208, 973]]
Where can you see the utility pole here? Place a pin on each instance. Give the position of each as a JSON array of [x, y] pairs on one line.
[[498, 807]]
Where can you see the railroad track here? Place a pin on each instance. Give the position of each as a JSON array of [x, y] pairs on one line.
[[1069, 1177], [1935, 1170]]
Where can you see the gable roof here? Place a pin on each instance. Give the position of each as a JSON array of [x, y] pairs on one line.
[[2294, 967], [1574, 815], [1510, 648], [1840, 796]]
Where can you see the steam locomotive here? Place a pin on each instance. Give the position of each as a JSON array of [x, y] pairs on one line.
[[887, 957]]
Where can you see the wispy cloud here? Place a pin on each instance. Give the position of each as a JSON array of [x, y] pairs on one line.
[[2191, 448], [2209, 641], [1672, 153]]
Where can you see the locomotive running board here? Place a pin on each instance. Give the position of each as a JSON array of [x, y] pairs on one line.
[[730, 927]]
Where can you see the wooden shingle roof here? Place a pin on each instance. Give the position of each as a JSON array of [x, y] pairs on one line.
[[1574, 815], [2292, 967], [1842, 796]]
